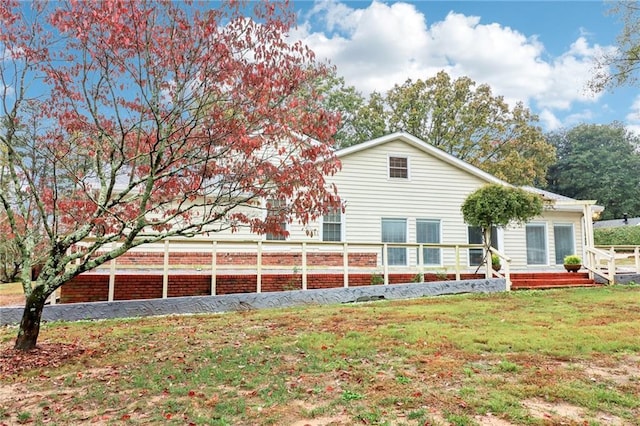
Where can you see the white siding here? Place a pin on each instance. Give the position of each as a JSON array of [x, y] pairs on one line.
[[435, 189], [515, 238]]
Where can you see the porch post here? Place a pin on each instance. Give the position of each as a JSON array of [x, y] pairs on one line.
[[588, 218], [588, 234]]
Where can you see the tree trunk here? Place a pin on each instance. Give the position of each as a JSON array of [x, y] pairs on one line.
[[487, 254], [30, 324]]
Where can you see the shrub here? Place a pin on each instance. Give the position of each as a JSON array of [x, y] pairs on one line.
[[572, 259], [620, 236]]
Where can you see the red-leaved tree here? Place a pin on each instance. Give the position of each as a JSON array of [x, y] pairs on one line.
[[132, 121]]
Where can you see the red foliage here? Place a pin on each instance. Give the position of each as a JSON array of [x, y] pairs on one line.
[[164, 116]]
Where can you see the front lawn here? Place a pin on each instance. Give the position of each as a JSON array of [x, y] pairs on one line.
[[527, 357]]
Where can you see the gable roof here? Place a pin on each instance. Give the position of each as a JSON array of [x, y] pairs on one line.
[[425, 147], [567, 203], [615, 223]]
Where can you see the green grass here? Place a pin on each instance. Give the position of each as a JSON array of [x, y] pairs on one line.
[[444, 360]]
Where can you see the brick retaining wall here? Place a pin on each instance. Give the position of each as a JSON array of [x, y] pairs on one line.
[[94, 287]]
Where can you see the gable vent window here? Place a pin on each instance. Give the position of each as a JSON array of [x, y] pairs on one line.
[[399, 167]]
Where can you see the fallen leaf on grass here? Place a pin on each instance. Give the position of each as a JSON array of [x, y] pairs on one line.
[[45, 355]]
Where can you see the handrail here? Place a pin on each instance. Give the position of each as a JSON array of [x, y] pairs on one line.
[[618, 250], [507, 267], [594, 258], [213, 247]]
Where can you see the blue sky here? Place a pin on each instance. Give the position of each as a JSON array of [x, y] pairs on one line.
[[537, 52]]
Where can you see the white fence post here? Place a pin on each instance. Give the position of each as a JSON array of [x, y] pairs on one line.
[[259, 268], [385, 263], [345, 265], [304, 266], [214, 264], [112, 276], [421, 262], [165, 271]]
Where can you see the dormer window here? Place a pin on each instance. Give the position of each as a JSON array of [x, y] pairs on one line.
[[399, 167]]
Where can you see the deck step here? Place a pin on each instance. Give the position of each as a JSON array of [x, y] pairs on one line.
[[547, 280], [549, 275]]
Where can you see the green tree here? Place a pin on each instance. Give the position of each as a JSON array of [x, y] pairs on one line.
[[499, 206], [467, 121], [361, 119], [598, 162], [618, 67], [455, 115]]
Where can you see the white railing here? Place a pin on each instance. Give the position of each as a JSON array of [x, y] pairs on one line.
[[622, 255], [504, 261], [600, 262], [454, 259]]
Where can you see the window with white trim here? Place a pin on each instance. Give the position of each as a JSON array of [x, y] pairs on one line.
[[474, 234], [395, 231], [428, 231], [536, 236], [332, 225], [399, 167], [564, 241]]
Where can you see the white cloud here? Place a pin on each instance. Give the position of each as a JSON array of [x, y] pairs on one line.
[[567, 82], [634, 115], [549, 120], [633, 118], [382, 44]]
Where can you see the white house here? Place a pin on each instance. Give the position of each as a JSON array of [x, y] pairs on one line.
[[397, 190], [400, 189]]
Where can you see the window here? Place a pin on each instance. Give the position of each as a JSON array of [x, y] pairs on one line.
[[475, 237], [274, 208], [564, 241], [428, 231], [332, 226], [399, 167], [536, 244], [395, 231]]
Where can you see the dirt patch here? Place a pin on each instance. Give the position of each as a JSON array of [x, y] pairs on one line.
[[627, 372], [490, 420], [325, 421], [562, 412], [553, 410]]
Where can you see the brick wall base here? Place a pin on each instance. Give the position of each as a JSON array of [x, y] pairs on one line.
[[94, 287]]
